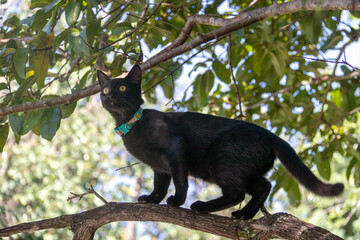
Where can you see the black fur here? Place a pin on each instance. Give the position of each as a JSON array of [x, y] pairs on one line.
[[233, 154]]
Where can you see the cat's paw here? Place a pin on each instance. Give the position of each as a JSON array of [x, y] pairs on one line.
[[243, 215], [174, 201], [147, 199], [199, 206]]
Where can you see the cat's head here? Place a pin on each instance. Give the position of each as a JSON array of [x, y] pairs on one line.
[[121, 95]]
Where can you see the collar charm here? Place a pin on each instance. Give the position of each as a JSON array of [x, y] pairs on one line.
[[125, 128]]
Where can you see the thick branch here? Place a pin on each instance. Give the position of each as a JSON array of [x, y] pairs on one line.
[[84, 225], [246, 19], [179, 47], [69, 98]]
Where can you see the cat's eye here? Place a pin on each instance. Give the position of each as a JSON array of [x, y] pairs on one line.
[[106, 91], [122, 88]]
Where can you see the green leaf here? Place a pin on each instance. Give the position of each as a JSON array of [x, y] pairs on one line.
[[72, 12], [221, 72], [30, 121], [68, 109], [39, 3], [3, 86], [311, 26], [357, 174], [318, 64], [355, 13], [50, 122], [332, 41], [20, 59], [345, 69], [294, 194], [25, 85], [16, 122], [117, 64], [276, 64], [76, 40], [336, 97], [41, 58], [202, 86], [323, 166], [4, 132], [350, 167]]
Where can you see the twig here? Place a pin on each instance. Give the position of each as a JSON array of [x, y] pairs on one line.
[[80, 196], [201, 49], [249, 6], [330, 61], [118, 14], [134, 30], [128, 166], [98, 195], [25, 39], [241, 116], [143, 14], [90, 191]]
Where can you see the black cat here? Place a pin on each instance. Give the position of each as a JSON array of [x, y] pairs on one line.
[[233, 154]]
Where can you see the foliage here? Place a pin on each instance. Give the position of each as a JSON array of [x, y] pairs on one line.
[[64, 41]]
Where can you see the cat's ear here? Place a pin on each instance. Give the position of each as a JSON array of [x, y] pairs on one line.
[[103, 78], [135, 74]]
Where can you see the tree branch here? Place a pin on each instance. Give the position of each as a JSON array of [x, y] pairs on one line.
[[84, 225], [241, 21]]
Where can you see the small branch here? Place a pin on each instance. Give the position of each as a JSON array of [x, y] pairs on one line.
[[23, 39], [128, 166], [279, 225], [134, 30], [69, 98], [90, 191], [118, 14], [158, 82], [241, 116], [241, 21], [331, 61], [250, 5]]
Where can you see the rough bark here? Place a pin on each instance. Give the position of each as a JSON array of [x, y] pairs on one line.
[[85, 224], [180, 46]]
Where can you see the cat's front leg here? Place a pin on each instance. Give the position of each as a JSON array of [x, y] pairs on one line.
[[181, 187], [161, 185], [179, 173]]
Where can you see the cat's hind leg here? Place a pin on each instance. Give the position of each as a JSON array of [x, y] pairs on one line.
[[259, 188], [230, 197]]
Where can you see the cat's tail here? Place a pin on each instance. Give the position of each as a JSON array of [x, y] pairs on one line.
[[297, 168]]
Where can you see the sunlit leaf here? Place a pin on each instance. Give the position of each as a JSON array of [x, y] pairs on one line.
[[50, 122], [4, 132], [203, 85], [16, 122], [41, 58], [221, 72], [20, 59], [72, 11], [68, 109]]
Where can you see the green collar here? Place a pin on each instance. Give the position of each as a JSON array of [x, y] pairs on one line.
[[124, 128]]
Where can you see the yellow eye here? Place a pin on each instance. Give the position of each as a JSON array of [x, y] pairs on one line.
[[122, 88], [106, 91]]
